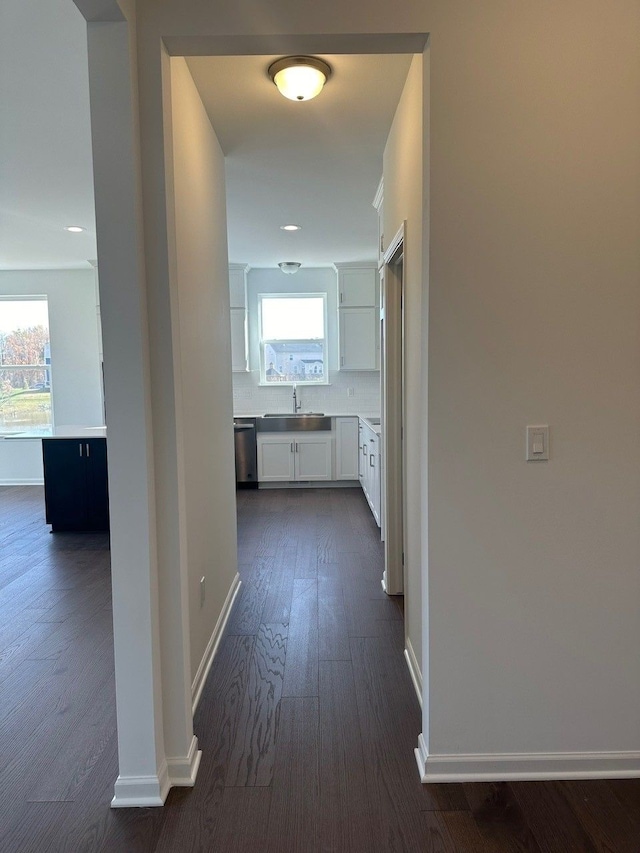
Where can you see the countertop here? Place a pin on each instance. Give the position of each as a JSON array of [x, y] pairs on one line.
[[70, 431]]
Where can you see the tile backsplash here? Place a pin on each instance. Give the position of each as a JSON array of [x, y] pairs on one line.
[[249, 398]]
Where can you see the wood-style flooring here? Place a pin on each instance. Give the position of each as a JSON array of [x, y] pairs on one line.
[[307, 722]]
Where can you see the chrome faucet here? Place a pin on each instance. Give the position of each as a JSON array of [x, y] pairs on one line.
[[296, 405]]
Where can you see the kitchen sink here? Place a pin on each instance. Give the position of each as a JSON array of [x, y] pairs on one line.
[[307, 421], [297, 415]]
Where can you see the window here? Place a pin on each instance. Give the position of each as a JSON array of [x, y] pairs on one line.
[[25, 365], [292, 338]]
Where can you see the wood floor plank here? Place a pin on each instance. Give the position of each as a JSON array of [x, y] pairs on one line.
[[301, 668], [551, 819], [244, 820], [277, 606], [333, 636], [293, 818], [347, 820], [609, 826], [499, 818], [253, 751]]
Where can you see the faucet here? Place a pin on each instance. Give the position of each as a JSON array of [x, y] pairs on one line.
[[296, 405]]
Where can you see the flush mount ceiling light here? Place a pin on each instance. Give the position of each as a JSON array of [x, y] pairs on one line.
[[75, 229], [289, 267], [290, 227], [299, 78]]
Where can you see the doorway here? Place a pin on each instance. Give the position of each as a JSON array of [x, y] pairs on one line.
[[393, 413]]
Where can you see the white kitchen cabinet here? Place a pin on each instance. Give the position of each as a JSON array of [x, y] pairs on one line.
[[238, 304], [358, 316], [295, 456], [357, 285], [347, 440], [370, 469], [239, 361], [237, 286], [358, 333]]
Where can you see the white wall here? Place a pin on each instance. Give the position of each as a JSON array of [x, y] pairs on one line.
[[75, 359], [251, 398], [535, 210], [533, 567], [202, 306], [403, 203]]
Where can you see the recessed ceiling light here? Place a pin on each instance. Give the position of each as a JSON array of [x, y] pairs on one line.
[[290, 227], [75, 229]]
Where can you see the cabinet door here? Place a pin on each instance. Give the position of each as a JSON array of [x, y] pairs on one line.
[[237, 288], [275, 459], [347, 459], [358, 333], [238, 340], [374, 479], [96, 484], [313, 457], [357, 287], [64, 483], [362, 454]]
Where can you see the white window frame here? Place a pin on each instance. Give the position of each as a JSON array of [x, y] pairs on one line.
[[262, 341], [48, 367]]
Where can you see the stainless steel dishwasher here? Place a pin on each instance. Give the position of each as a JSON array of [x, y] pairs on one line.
[[244, 433]]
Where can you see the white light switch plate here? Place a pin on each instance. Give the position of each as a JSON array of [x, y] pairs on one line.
[[537, 443]]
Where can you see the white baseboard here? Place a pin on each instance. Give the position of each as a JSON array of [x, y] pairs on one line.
[[183, 770], [214, 642], [22, 481], [525, 766], [310, 484], [141, 791], [414, 669]]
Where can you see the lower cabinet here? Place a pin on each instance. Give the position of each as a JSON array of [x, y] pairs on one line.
[[369, 469], [347, 460], [75, 483], [294, 456]]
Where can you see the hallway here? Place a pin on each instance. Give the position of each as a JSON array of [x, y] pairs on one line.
[[307, 722]]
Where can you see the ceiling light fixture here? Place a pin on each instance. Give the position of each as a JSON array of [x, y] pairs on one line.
[[75, 229], [290, 227], [299, 78], [289, 267]]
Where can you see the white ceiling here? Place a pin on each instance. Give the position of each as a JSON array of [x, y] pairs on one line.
[[313, 163], [316, 163], [46, 179]]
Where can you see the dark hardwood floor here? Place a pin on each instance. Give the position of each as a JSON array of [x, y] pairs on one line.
[[307, 722]]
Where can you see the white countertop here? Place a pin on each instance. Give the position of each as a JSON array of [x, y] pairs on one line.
[[69, 431]]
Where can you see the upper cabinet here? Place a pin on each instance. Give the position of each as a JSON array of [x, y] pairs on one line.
[[238, 285], [358, 316], [238, 302], [357, 286]]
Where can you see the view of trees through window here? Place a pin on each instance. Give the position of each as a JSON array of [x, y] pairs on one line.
[[25, 365], [292, 338]]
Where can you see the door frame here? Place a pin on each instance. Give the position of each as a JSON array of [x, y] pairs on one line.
[[393, 414]]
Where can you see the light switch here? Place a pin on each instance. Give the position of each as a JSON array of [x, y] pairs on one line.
[[537, 443]]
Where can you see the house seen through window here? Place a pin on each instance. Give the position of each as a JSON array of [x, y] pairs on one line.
[[25, 365], [293, 338]]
